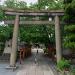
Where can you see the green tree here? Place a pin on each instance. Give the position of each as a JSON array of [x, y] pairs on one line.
[[5, 32], [10, 3], [50, 4], [34, 33], [70, 27], [21, 5]]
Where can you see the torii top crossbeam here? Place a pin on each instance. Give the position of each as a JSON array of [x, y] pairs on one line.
[[9, 11], [49, 13]]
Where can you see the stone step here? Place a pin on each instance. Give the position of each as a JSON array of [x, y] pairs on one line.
[[5, 57]]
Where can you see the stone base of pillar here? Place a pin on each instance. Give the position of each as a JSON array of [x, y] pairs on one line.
[[13, 68]]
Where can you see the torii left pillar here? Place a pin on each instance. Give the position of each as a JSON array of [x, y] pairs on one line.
[[14, 42]]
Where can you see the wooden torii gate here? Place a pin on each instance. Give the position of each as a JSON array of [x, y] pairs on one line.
[[16, 22]]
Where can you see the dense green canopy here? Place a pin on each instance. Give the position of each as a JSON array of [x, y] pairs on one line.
[[37, 34], [70, 27]]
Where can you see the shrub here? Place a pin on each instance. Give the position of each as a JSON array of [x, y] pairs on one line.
[[63, 64]]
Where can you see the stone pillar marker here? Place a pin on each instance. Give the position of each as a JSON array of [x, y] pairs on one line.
[[14, 42], [58, 38]]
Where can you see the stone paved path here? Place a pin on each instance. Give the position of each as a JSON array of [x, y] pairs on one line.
[[40, 67], [29, 67]]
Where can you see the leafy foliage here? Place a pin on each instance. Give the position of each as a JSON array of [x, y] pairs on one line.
[[70, 28], [35, 34], [69, 45], [50, 4], [1, 14], [10, 3], [70, 12], [21, 5], [5, 33], [69, 40], [62, 64], [73, 70], [42, 4]]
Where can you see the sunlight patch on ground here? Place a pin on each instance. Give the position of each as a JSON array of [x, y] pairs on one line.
[[35, 50]]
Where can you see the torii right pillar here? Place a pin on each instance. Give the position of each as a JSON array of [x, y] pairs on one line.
[[58, 38]]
